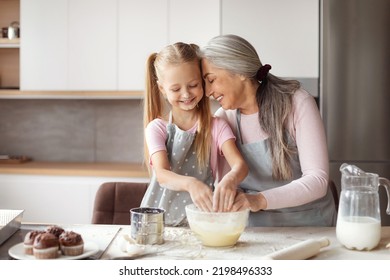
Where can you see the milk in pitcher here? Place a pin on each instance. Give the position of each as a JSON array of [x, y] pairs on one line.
[[358, 232]]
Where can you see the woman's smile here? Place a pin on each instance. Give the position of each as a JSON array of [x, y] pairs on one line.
[[219, 98]]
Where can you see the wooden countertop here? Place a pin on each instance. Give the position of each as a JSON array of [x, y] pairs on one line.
[[96, 169]]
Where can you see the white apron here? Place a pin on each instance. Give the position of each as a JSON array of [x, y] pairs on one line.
[[320, 212], [182, 157]]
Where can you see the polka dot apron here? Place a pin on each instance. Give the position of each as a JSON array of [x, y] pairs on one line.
[[183, 160]]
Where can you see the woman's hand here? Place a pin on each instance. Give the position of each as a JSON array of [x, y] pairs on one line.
[[253, 202]]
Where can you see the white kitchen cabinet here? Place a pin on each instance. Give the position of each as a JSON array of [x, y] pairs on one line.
[[142, 30], [194, 21], [53, 199], [44, 45], [285, 33], [88, 44], [103, 45], [92, 44], [68, 45]]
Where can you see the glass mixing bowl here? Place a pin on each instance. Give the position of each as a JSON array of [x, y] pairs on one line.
[[217, 229]]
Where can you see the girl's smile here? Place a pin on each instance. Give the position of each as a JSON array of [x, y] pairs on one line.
[[182, 86]]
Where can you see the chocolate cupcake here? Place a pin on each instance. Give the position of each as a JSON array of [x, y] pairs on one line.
[[46, 246], [28, 241], [56, 230], [71, 243]]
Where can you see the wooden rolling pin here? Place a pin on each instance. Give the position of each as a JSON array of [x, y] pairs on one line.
[[300, 251]]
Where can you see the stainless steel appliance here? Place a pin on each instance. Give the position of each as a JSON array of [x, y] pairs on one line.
[[13, 30], [355, 86]]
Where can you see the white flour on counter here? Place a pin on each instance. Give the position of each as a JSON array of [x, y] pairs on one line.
[[181, 243]]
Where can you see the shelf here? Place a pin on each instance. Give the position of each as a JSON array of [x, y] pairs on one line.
[[16, 94], [7, 43], [96, 169]]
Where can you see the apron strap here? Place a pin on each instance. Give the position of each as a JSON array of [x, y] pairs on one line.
[[170, 117], [238, 122]]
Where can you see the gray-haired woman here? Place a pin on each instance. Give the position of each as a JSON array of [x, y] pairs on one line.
[[279, 132]]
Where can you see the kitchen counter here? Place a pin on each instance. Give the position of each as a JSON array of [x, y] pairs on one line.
[[127, 170], [254, 243], [180, 243]]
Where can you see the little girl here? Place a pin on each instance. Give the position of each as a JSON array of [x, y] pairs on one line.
[[183, 139]]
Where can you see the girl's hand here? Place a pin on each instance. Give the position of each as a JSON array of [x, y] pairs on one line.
[[224, 194], [225, 191], [201, 195]]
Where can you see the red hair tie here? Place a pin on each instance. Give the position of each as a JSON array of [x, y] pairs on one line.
[[263, 72]]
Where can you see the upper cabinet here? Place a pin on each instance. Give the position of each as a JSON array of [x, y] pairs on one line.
[[194, 21], [285, 33], [68, 45], [103, 45], [90, 45], [142, 30], [44, 45]]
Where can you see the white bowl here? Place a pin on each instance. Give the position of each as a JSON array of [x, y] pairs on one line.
[[217, 229]]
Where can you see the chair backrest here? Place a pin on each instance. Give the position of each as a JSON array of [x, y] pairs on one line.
[[335, 193], [114, 200]]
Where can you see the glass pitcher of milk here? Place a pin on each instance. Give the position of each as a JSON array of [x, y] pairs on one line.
[[359, 222]]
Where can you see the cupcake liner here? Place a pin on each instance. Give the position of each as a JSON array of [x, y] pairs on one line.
[[28, 249], [72, 250], [48, 253]]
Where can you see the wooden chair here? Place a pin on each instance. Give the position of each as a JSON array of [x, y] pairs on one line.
[[335, 193], [114, 200]]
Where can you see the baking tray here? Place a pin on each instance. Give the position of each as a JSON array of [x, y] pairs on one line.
[[10, 221]]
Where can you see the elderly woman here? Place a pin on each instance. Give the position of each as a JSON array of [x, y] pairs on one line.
[[279, 132]]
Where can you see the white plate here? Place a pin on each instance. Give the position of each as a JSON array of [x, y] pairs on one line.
[[17, 252]]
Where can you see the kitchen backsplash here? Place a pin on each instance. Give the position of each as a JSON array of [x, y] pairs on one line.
[[72, 130]]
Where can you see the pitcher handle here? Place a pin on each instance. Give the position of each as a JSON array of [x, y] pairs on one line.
[[386, 183]]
